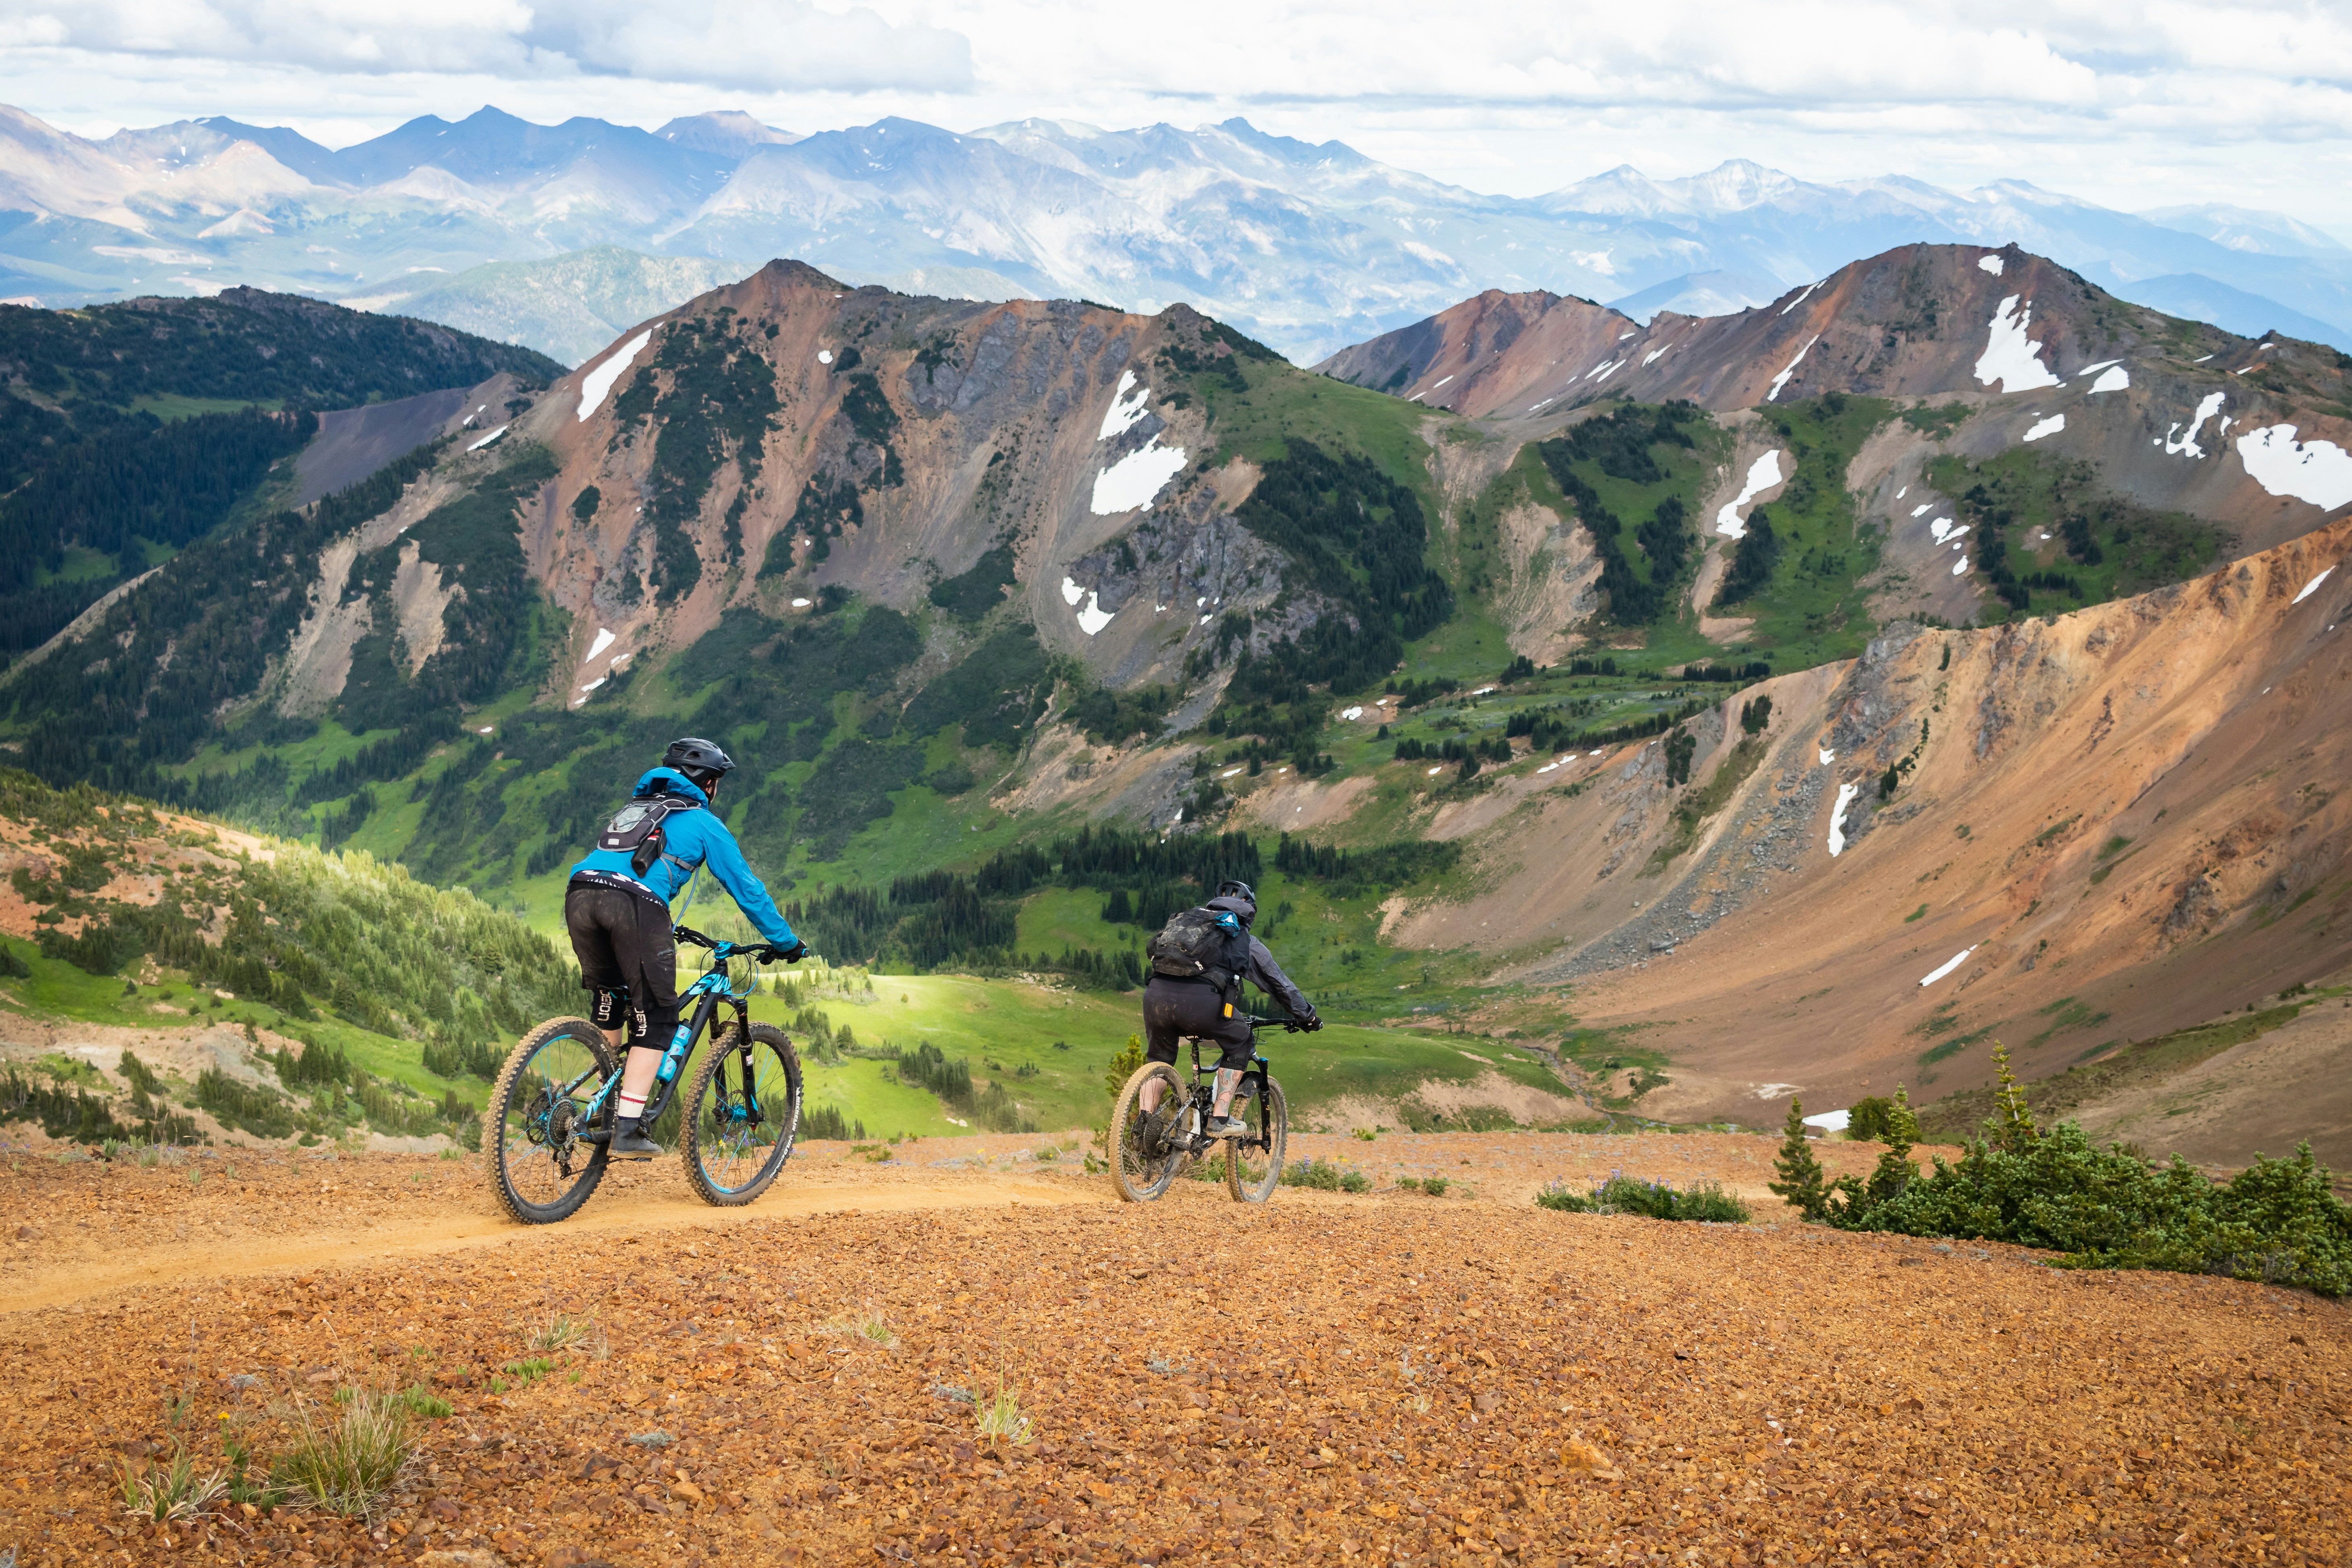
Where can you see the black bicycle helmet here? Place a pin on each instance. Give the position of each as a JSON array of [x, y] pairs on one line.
[[1230, 889], [700, 760]]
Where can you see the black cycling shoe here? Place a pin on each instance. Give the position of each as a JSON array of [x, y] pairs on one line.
[[629, 1143]]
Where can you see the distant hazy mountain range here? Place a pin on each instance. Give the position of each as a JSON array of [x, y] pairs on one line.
[[483, 224]]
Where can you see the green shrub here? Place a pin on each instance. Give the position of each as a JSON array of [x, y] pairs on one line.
[[1325, 1176], [1866, 1121], [2277, 1221], [1621, 1194], [1560, 1196]]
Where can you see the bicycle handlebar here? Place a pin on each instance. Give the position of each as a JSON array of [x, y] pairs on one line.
[[757, 951]]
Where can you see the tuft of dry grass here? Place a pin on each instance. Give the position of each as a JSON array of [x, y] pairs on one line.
[[1000, 1419], [170, 1489], [350, 1467], [560, 1332]]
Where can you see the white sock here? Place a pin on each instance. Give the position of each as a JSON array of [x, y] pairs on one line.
[[633, 1107]]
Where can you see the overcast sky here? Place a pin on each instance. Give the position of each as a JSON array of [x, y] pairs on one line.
[[2132, 105]]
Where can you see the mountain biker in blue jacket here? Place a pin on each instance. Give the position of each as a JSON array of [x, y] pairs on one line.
[[617, 912]]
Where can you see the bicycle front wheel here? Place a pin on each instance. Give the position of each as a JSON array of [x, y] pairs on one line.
[[540, 1166], [1143, 1160], [743, 1115], [1253, 1164]]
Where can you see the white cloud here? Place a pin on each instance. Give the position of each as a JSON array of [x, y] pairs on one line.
[[777, 44]]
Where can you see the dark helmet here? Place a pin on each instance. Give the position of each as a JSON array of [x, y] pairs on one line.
[[698, 760], [1233, 890]]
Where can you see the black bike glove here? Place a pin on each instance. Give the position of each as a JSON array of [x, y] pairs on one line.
[[792, 955], [1312, 1022]]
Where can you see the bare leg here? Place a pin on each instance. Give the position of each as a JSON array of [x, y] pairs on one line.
[[1149, 1096], [637, 1071], [1228, 1080], [637, 1075]]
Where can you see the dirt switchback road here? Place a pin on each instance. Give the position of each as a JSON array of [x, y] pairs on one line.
[[1387, 1378]]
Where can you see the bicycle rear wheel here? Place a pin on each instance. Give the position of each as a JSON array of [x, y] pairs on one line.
[[1143, 1162], [743, 1115], [540, 1168], [1253, 1164]]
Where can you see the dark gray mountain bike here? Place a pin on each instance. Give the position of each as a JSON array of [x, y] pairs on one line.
[[1150, 1149]]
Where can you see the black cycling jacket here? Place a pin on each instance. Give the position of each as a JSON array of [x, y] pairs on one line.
[[1263, 972]]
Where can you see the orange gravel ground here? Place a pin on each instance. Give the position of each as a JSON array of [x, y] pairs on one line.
[[1373, 1380]]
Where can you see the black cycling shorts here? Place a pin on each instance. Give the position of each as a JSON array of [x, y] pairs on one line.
[[1175, 1008], [627, 957]]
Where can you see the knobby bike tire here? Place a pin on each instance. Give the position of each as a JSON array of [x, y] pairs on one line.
[[536, 1179], [1139, 1178], [727, 1161], [1252, 1174]]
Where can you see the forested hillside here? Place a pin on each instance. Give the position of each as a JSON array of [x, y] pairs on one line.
[[277, 992], [128, 431]]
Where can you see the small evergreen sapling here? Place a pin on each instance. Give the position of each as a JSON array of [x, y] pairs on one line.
[[1123, 1065], [2012, 1122], [1894, 1171], [1801, 1185]]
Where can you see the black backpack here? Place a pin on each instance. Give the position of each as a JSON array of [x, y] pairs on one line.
[[1201, 944], [638, 828]]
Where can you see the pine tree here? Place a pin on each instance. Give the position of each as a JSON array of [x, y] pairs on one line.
[[2013, 1128], [1894, 1171], [1123, 1065], [1800, 1186]]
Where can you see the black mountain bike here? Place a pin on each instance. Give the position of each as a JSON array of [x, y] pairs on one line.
[[1151, 1148], [545, 1132]]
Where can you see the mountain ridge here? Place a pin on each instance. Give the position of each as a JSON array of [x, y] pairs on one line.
[[1305, 245], [1023, 618]]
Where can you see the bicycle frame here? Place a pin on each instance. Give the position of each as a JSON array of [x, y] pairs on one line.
[[712, 992], [1203, 1095]]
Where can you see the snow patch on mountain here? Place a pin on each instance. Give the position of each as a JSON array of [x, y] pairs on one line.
[[2050, 426], [597, 385], [1847, 792], [2319, 472], [1990, 264], [1781, 380], [1124, 411], [1762, 474], [1947, 966], [2111, 380], [1135, 480], [2186, 446], [2010, 357]]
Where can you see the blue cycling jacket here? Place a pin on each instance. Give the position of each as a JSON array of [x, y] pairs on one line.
[[691, 839]]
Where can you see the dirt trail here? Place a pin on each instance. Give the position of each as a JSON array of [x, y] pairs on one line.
[[436, 1231], [1377, 1379]]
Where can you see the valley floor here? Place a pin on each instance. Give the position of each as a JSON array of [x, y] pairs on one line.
[[1381, 1378]]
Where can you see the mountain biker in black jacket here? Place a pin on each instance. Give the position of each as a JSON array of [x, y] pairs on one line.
[[1174, 1007]]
